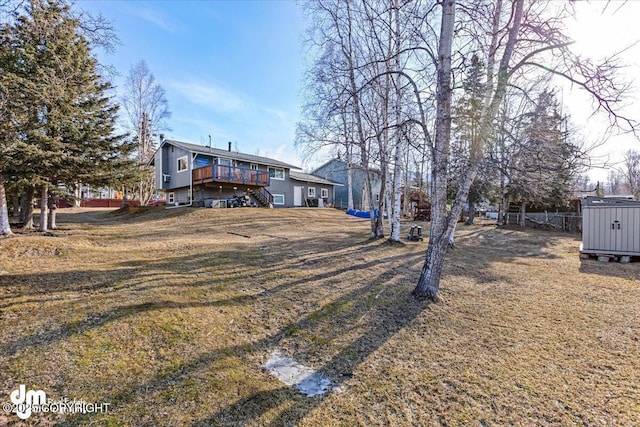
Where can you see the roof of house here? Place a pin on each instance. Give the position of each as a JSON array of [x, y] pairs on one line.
[[234, 155], [344, 166], [305, 177]]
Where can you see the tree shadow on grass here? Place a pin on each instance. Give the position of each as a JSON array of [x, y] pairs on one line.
[[108, 282], [384, 301], [386, 317]]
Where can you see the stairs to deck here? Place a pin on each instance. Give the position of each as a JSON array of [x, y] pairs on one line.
[[262, 196]]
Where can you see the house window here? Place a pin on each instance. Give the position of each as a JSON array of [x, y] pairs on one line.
[[182, 163], [311, 192], [224, 162], [170, 198], [278, 199], [276, 173], [324, 193]]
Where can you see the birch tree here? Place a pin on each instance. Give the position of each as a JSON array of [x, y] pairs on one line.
[[525, 38], [147, 112], [336, 36], [516, 41]]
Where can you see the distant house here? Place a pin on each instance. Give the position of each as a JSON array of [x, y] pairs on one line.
[[202, 176], [336, 170]]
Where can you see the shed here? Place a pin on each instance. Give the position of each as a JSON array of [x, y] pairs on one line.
[[610, 226]]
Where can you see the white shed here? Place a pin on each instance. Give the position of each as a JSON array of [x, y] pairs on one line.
[[610, 226]]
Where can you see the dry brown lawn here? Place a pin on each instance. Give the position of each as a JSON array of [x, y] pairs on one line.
[[168, 316]]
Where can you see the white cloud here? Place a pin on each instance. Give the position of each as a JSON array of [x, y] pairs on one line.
[[152, 16], [279, 114], [284, 153], [209, 95]]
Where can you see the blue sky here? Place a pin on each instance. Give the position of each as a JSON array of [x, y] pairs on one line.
[[231, 69]]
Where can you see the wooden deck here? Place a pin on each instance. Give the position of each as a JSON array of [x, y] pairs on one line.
[[231, 175]]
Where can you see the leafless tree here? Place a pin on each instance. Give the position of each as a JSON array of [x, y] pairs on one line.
[[517, 41], [147, 111], [616, 183], [631, 172], [362, 45], [523, 39]]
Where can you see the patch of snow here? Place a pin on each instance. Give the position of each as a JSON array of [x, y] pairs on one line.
[[305, 379]]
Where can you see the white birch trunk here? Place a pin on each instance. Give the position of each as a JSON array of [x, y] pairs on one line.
[[78, 196], [441, 225], [429, 282], [394, 235], [347, 47], [389, 202], [396, 189], [349, 180]]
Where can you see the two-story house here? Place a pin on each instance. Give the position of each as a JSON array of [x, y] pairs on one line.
[[190, 174]]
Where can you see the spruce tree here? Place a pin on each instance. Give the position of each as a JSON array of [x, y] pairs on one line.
[[544, 164], [66, 128]]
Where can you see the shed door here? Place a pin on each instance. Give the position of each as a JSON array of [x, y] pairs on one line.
[[628, 229], [600, 229]]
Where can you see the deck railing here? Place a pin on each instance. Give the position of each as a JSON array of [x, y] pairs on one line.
[[265, 196], [232, 175]]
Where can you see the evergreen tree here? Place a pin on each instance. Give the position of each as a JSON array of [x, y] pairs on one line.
[[63, 122], [544, 163], [466, 142]]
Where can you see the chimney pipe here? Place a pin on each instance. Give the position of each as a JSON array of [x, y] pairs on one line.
[[229, 146]]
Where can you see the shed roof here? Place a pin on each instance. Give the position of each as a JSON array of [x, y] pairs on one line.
[[609, 201]]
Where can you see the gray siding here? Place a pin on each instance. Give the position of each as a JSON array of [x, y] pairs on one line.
[[285, 188], [166, 164], [170, 166], [180, 196], [166, 161], [336, 171]]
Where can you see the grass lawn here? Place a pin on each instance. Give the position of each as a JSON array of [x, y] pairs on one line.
[[169, 315]]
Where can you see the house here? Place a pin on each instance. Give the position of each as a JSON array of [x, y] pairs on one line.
[[310, 190], [336, 170], [190, 174]]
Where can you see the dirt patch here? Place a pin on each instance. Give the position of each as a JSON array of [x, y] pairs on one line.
[[170, 316]]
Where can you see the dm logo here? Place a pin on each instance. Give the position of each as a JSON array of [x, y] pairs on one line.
[[26, 400]]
